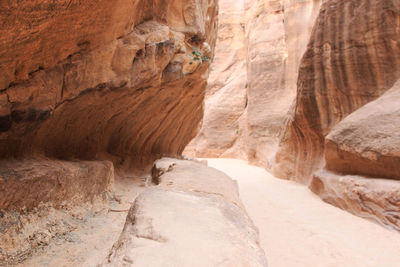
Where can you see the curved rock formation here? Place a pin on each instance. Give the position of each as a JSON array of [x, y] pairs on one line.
[[81, 80], [352, 58]]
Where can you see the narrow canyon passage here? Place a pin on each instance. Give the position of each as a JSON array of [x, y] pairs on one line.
[[298, 229]]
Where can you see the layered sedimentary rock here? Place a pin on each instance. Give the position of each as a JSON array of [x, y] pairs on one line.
[[375, 199], [247, 102], [352, 58], [193, 217], [26, 184], [362, 146], [84, 79]]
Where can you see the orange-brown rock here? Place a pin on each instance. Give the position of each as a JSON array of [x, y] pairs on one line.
[[83, 79], [352, 58], [26, 184]]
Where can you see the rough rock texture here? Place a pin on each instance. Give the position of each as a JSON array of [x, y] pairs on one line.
[[374, 199], [352, 58], [26, 184], [79, 79], [161, 224], [40, 199], [224, 130], [242, 117], [366, 144]]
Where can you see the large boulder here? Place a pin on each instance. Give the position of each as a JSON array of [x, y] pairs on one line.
[[353, 57], [362, 156], [192, 217]]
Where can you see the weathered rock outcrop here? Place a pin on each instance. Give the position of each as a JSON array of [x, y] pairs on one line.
[[352, 58], [365, 144], [371, 198], [195, 209], [86, 81], [82, 79], [27, 184], [242, 117], [223, 132]]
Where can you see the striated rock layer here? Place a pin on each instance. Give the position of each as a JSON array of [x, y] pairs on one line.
[[365, 144], [193, 217], [86, 79], [352, 58], [82, 82], [374, 199]]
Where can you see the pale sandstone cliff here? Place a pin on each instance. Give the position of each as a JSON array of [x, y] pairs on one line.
[[224, 130], [247, 102]]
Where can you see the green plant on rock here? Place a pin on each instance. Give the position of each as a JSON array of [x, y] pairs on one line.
[[197, 55]]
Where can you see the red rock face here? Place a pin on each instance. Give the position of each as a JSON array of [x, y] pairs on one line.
[[83, 79], [352, 58]]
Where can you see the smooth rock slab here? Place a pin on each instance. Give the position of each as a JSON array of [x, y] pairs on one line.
[[168, 226]]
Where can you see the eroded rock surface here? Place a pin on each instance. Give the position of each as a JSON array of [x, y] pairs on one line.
[[223, 131], [253, 78], [362, 155], [121, 82], [352, 59], [193, 217], [371, 198], [94, 80], [367, 142], [26, 184]]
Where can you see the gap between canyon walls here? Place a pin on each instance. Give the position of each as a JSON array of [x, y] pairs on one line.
[[252, 84], [307, 90]]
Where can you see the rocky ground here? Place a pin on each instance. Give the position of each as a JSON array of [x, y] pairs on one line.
[[93, 233], [295, 227]]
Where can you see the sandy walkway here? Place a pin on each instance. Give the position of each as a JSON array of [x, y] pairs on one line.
[[298, 229]]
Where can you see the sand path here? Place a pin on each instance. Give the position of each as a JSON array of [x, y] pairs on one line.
[[298, 229]]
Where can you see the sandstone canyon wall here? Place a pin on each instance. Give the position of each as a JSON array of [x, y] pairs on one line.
[[342, 135], [80, 79], [83, 83], [253, 78], [224, 127], [310, 65], [352, 59]]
